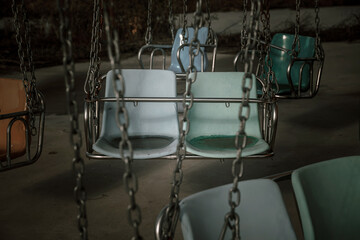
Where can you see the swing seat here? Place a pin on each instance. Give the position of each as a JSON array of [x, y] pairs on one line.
[[262, 212], [153, 127], [12, 100], [328, 197], [213, 125], [184, 51], [282, 60]]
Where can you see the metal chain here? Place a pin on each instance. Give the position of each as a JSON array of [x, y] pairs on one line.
[[75, 133], [172, 211], [210, 36], [130, 179], [232, 220], [22, 28], [243, 30], [296, 43], [92, 84], [183, 32], [260, 46], [317, 31], [148, 34], [270, 76], [171, 19]]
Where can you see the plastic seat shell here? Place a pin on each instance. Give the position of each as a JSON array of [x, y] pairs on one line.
[[153, 127], [328, 197], [12, 100], [184, 52], [262, 212], [216, 120]]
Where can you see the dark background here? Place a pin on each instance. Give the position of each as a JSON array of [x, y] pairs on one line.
[[131, 25]]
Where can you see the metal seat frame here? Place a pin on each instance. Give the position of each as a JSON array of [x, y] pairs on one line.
[[15, 117], [165, 51]]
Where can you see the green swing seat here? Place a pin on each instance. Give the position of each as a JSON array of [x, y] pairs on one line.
[[213, 125], [300, 71], [328, 197]]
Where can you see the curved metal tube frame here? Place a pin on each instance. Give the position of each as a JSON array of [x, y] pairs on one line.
[[92, 128], [162, 48], [295, 92], [19, 116]]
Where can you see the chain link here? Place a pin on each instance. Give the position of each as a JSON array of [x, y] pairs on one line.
[[210, 38], [271, 81], [75, 133], [130, 179], [92, 84], [183, 32], [296, 43], [171, 19], [148, 34], [22, 28], [243, 30], [232, 219], [318, 51], [172, 211]]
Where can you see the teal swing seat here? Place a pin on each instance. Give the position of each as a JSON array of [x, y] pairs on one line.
[[180, 51], [293, 74], [214, 125], [328, 197], [153, 127], [261, 211]]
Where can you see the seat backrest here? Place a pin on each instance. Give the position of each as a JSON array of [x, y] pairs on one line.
[[328, 197], [12, 99], [216, 119], [282, 59], [184, 53], [146, 118], [262, 212]]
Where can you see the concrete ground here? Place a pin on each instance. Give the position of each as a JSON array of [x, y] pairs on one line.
[[36, 202]]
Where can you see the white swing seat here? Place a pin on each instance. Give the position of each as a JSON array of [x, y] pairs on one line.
[[262, 213], [184, 52], [153, 127], [213, 125]]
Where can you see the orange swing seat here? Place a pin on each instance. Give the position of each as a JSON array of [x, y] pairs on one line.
[[12, 100]]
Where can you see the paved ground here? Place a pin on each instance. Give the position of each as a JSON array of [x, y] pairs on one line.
[[36, 202]]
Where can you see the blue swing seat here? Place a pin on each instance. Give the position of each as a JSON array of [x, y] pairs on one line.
[[184, 51], [153, 127], [262, 213], [282, 60], [213, 125], [328, 197]]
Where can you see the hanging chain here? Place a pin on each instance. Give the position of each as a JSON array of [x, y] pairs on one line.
[[75, 133], [232, 220], [317, 31], [243, 30], [92, 84], [260, 45], [148, 34], [171, 20], [210, 36], [296, 43], [22, 28], [270, 76], [172, 211], [130, 179], [183, 32]]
